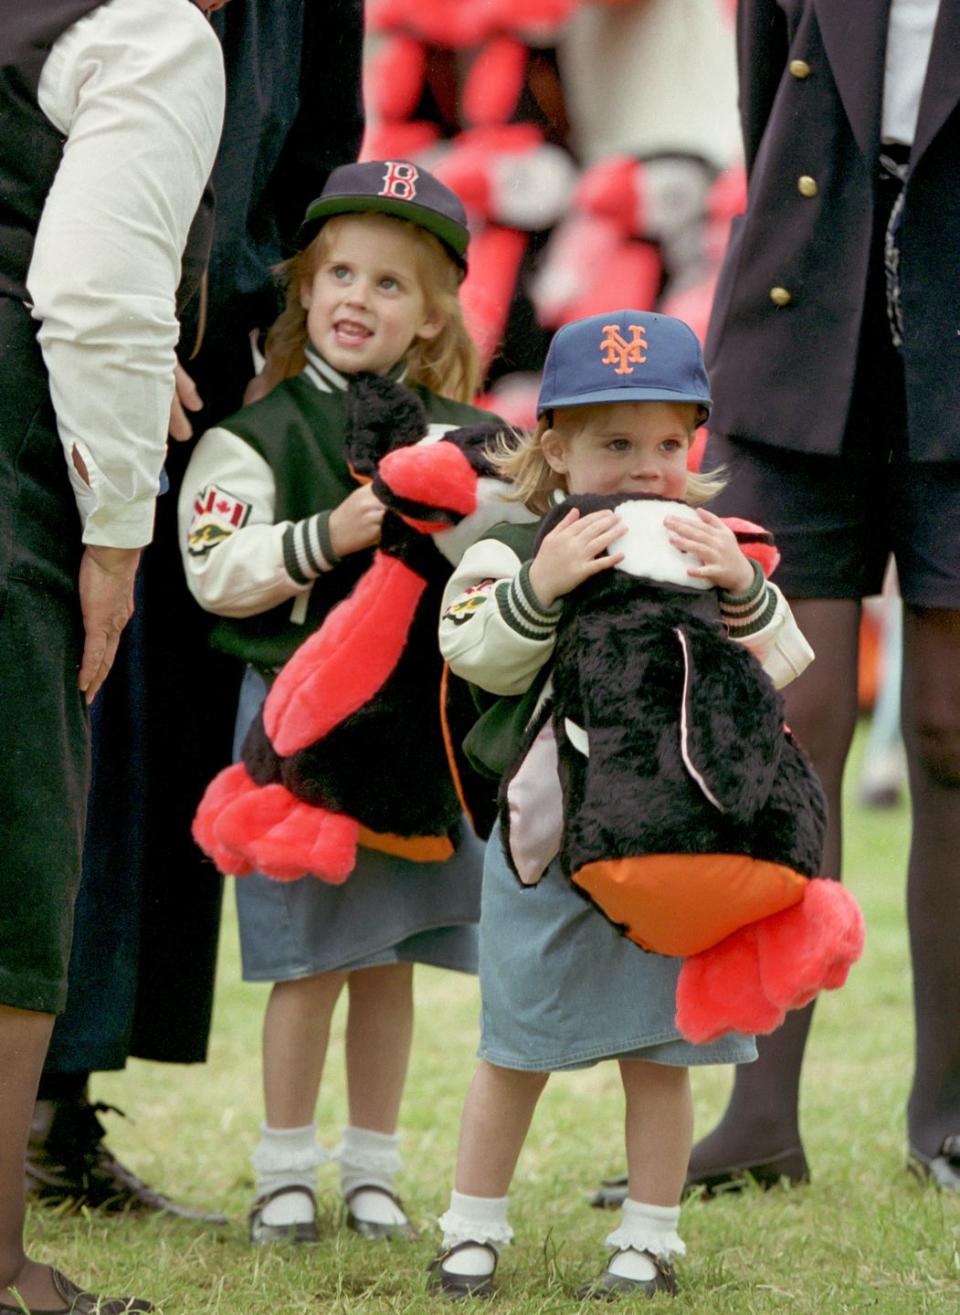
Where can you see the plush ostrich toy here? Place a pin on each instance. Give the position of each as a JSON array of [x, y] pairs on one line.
[[350, 746], [680, 805]]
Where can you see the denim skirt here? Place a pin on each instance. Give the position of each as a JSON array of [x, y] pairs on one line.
[[389, 910], [562, 988]]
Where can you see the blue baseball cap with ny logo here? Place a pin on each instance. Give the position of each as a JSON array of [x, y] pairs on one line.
[[624, 356]]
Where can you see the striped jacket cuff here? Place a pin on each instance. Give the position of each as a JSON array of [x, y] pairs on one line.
[[307, 551], [522, 610], [747, 613]]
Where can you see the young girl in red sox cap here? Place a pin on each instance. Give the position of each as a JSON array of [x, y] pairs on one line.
[[276, 530]]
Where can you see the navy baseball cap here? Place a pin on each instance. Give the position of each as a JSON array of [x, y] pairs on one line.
[[392, 187], [624, 356]]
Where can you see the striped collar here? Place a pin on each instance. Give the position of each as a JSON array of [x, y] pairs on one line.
[[328, 380]]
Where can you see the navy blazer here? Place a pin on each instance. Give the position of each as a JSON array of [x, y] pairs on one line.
[[781, 347]]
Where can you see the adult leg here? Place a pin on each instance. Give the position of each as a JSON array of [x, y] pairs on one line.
[[931, 726], [24, 1037], [379, 1036], [760, 1127], [296, 1032]]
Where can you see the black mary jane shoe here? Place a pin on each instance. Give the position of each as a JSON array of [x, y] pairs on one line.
[[611, 1194], [790, 1166], [943, 1169], [608, 1287], [79, 1302], [264, 1234], [456, 1286], [377, 1232]]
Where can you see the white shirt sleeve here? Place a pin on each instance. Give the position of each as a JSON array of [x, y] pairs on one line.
[[137, 89]]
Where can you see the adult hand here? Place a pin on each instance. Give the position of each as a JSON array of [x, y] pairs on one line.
[[185, 398], [572, 552], [721, 561], [355, 524], [106, 601]]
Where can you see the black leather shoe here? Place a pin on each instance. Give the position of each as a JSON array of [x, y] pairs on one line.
[[78, 1302], [790, 1165], [608, 1287], [263, 1234], [942, 1170], [67, 1161], [611, 1194], [456, 1286], [376, 1232]]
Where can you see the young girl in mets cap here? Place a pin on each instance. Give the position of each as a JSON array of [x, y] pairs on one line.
[[275, 531], [561, 987]]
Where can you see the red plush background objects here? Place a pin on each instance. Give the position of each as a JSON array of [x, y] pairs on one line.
[[476, 93]]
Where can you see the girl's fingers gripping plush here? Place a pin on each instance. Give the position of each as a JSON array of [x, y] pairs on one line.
[[572, 552], [595, 533], [355, 524], [715, 544]]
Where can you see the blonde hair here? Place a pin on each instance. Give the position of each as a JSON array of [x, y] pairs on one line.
[[519, 458], [448, 363]]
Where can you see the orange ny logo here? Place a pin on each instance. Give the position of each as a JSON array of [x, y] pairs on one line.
[[621, 353]]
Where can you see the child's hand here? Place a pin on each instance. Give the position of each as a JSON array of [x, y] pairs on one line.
[[722, 562], [355, 524], [571, 553]]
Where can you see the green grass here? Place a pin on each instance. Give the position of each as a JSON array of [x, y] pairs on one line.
[[863, 1237]]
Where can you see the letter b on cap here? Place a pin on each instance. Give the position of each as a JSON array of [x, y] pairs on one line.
[[399, 180]]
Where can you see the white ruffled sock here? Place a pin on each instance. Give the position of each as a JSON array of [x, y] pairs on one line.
[[370, 1159], [480, 1219], [287, 1157], [644, 1227]]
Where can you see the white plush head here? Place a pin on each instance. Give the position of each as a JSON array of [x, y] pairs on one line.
[[648, 552]]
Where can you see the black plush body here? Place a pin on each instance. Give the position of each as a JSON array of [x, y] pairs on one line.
[[688, 754], [386, 764], [624, 683]]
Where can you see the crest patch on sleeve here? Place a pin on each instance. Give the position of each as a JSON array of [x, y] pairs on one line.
[[216, 514], [468, 603]]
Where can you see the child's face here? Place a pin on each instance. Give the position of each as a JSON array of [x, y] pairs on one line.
[[365, 305], [623, 447]]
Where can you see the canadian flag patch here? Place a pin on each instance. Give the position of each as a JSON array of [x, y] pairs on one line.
[[216, 514]]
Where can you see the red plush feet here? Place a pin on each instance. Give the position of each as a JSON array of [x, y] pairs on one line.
[[231, 784], [245, 827], [812, 946], [720, 990], [748, 981]]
